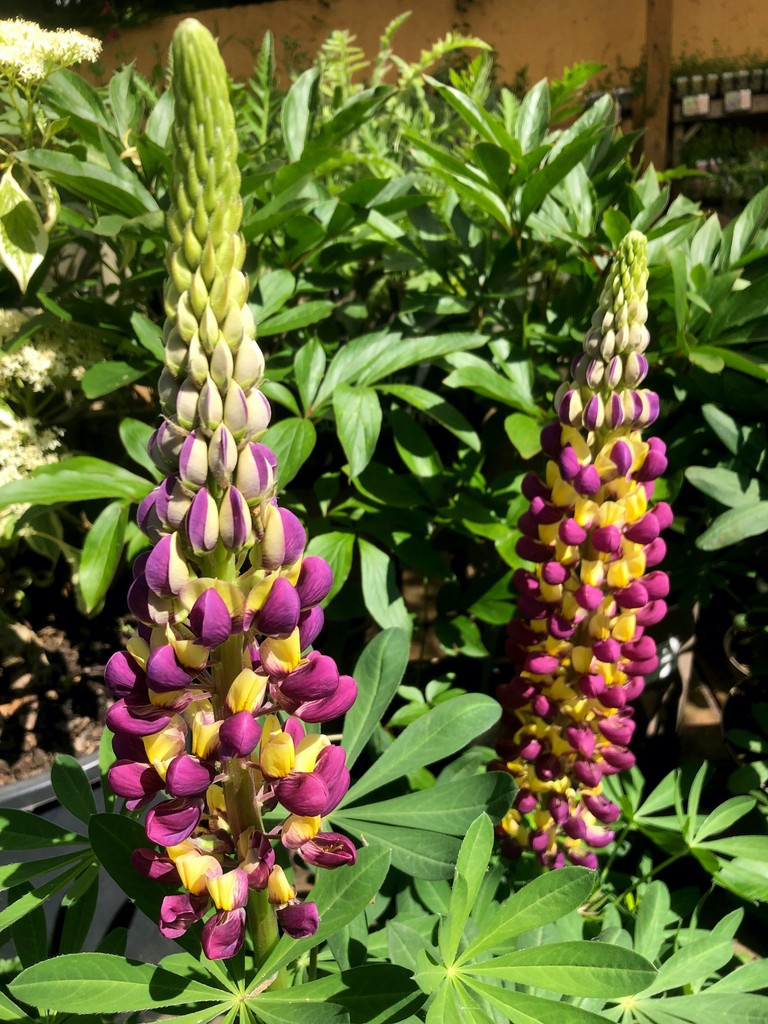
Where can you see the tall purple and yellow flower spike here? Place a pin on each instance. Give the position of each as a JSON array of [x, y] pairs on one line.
[[579, 647], [212, 692]]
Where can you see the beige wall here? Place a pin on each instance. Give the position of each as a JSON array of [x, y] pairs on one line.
[[546, 35]]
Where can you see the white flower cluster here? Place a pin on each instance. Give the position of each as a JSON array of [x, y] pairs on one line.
[[30, 53], [50, 358], [25, 446]]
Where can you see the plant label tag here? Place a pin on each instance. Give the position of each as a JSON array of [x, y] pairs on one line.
[[737, 99], [697, 105]]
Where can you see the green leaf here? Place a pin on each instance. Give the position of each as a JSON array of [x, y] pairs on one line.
[[296, 113], [523, 431], [447, 728], [71, 786], [541, 183], [729, 528], [484, 381], [23, 239], [436, 408], [309, 367], [524, 1009], [358, 423], [80, 902], [15, 874], [148, 334], [706, 1008], [104, 378], [653, 915], [592, 969], [9, 1011], [340, 896], [378, 673], [747, 878], [725, 815], [36, 897], [724, 426], [752, 847], [380, 593], [114, 190], [540, 902], [30, 933], [337, 549], [303, 315], [79, 478], [724, 485], [735, 360], [135, 436], [449, 808], [693, 962], [480, 120], [20, 830], [284, 1008], [372, 994], [101, 553], [292, 440], [533, 117], [415, 852], [101, 983], [471, 867]]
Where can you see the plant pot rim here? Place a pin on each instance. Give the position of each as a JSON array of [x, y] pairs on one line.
[[36, 791]]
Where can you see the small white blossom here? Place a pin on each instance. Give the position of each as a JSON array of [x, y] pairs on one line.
[[51, 357], [30, 53], [25, 446]]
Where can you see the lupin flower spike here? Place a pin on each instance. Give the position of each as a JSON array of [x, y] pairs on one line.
[[579, 646], [211, 692]]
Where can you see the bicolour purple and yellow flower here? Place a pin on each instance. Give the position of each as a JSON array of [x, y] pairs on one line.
[[580, 647], [212, 690]]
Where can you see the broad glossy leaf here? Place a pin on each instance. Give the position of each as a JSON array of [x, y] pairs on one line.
[[724, 485], [444, 730], [148, 334], [373, 994], [23, 239], [309, 367], [693, 962], [20, 830], [358, 423], [380, 592], [30, 932], [725, 815], [523, 431], [731, 527], [708, 1008], [592, 969], [471, 867], [484, 381], [416, 852], [71, 786], [533, 116], [101, 553], [724, 426], [297, 112], [522, 1008], [292, 440], [104, 378], [15, 874], [337, 548], [9, 1011], [80, 478], [294, 319], [135, 436], [80, 904], [449, 808], [490, 127], [653, 916], [542, 182], [36, 897], [378, 673], [120, 191], [101, 983], [340, 896], [436, 408], [540, 902]]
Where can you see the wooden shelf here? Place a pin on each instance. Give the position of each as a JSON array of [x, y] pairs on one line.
[[685, 127]]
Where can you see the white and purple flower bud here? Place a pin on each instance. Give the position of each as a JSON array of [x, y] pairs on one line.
[[202, 523], [173, 501], [284, 538], [249, 364], [210, 408], [166, 570], [147, 519], [614, 411], [236, 411], [256, 472], [166, 444], [193, 461], [635, 369], [593, 416], [222, 455], [613, 373], [234, 520], [222, 366], [569, 408], [259, 413], [186, 404]]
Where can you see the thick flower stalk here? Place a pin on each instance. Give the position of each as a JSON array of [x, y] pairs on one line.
[[580, 647], [213, 691]]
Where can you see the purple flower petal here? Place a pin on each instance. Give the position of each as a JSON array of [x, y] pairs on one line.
[[210, 619], [299, 920], [223, 934], [173, 821], [329, 850], [239, 735], [188, 776]]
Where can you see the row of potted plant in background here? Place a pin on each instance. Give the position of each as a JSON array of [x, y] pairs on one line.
[[389, 274]]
